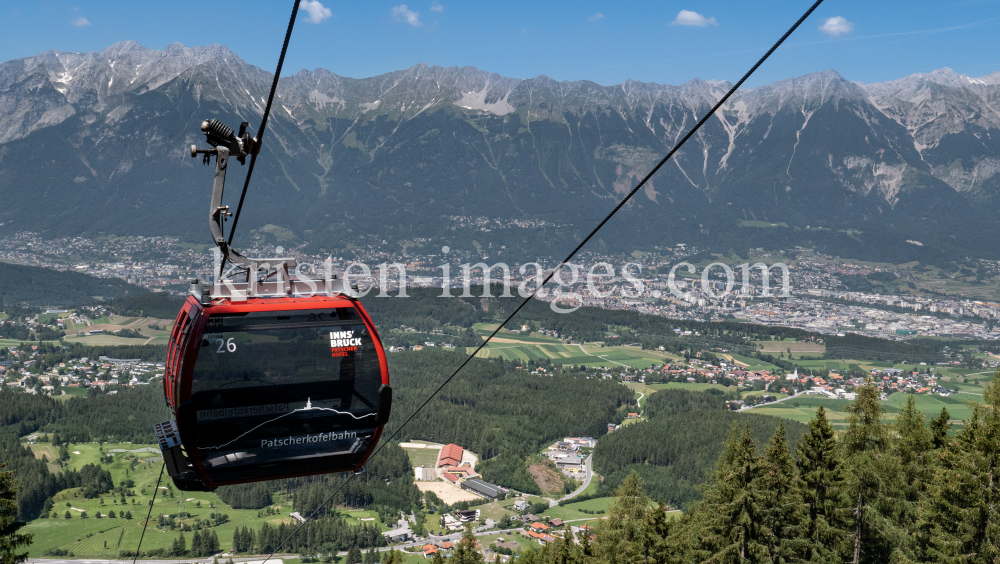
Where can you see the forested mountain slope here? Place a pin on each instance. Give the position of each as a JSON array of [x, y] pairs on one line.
[[678, 447], [35, 286]]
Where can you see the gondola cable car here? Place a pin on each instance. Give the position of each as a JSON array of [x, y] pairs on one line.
[[275, 376]]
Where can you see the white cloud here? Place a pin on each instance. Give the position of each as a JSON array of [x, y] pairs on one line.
[[80, 22], [596, 17], [317, 11], [836, 26], [403, 14], [435, 7], [687, 17]]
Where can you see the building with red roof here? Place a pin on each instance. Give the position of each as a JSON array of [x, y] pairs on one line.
[[451, 455], [540, 537]]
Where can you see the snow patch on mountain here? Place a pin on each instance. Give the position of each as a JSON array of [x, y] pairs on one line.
[[477, 101]]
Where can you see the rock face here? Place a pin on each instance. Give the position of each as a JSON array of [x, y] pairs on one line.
[[96, 142]]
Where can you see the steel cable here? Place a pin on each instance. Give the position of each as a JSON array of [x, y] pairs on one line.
[[263, 124]]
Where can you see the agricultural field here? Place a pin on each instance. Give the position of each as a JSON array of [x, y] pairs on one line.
[[422, 453], [640, 388], [572, 511], [586, 355], [46, 318], [71, 392], [484, 329], [523, 543], [496, 510], [514, 346], [803, 409], [87, 537], [356, 517], [111, 325], [750, 363], [94, 340], [797, 347], [17, 342]]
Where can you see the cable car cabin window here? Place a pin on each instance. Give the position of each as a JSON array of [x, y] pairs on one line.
[[280, 389]]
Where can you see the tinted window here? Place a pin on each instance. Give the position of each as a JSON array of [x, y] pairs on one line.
[[272, 386]]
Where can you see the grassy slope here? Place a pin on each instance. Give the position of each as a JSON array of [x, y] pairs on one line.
[[63, 533]]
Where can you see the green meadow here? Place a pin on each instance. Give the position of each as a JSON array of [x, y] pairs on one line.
[[103, 537]]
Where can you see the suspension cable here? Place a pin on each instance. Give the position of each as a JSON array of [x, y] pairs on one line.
[[263, 124], [149, 513], [386, 440]]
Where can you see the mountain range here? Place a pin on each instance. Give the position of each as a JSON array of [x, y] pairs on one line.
[[96, 143]]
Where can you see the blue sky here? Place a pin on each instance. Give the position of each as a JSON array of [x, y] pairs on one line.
[[668, 42]]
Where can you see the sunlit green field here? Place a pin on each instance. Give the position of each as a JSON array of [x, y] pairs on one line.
[[804, 409], [87, 537]]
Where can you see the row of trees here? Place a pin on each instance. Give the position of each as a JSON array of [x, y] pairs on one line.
[[325, 535], [879, 492], [256, 495]]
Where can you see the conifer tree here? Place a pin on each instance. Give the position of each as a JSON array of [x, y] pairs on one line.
[[214, 545], [586, 548], [10, 538], [354, 555], [466, 551], [621, 537], [822, 485], [733, 525], [684, 543], [940, 426], [562, 551], [873, 484], [196, 546], [961, 522], [657, 530], [179, 547], [782, 506], [913, 442]]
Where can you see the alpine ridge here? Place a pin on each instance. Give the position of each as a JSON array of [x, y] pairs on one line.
[[96, 143]]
